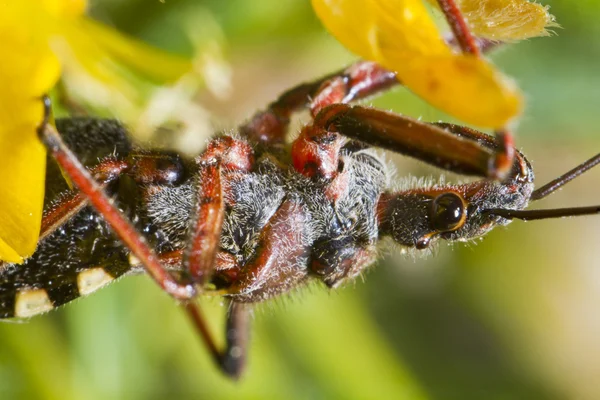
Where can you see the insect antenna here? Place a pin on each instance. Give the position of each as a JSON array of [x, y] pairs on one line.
[[562, 180], [530, 215], [546, 190]]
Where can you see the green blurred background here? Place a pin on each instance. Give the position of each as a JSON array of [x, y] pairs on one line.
[[514, 316]]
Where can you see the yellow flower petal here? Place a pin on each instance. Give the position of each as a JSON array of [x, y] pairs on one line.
[[22, 169], [34, 35], [360, 25], [152, 62], [30, 71], [62, 8], [400, 35], [477, 93], [22, 175]]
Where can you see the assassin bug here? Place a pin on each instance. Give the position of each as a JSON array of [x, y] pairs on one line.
[[258, 227]]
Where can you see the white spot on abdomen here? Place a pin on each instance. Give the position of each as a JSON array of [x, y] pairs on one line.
[[30, 302], [91, 280]]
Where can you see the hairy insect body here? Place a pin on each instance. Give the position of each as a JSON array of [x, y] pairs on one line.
[[271, 211], [251, 217], [280, 226], [312, 236]]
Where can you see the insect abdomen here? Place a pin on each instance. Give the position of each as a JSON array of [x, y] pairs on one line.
[[82, 255], [74, 261]]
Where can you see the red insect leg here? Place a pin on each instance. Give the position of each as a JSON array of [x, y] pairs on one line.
[[281, 250], [223, 156], [500, 166], [316, 151], [104, 173], [362, 79], [462, 33]]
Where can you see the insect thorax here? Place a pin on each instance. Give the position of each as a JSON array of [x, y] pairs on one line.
[[339, 237]]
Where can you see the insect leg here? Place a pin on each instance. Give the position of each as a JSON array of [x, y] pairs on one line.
[[207, 222], [316, 150], [457, 149], [505, 153], [360, 80], [104, 173], [237, 332], [462, 33], [278, 266], [281, 258], [365, 78], [232, 359], [224, 155], [105, 206]]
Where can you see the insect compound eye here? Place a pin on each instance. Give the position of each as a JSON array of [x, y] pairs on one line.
[[447, 212]]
